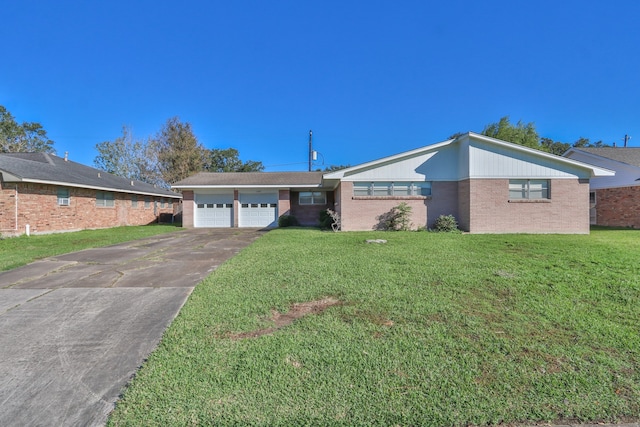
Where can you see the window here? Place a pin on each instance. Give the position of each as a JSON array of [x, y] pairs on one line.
[[63, 197], [592, 198], [397, 189], [162, 202], [134, 200], [312, 198], [147, 202], [528, 189], [104, 199]]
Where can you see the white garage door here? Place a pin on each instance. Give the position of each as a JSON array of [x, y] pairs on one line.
[[258, 210], [213, 210]]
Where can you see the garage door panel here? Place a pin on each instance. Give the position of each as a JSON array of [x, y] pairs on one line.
[[258, 210], [213, 210]]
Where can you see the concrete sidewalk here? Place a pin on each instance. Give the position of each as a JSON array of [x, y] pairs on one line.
[[75, 328]]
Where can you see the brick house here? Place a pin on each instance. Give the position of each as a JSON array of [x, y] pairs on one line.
[[490, 186], [614, 200], [42, 193]]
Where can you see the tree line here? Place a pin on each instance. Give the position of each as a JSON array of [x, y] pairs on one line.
[[526, 134], [174, 153]]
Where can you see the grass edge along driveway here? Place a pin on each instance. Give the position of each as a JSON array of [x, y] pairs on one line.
[[22, 250], [430, 329]]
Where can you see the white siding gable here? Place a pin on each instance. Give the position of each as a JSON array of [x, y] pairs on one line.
[[439, 164], [501, 161]]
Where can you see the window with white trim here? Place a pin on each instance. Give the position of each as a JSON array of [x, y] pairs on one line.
[[395, 189], [63, 197], [529, 189], [104, 199], [147, 202], [312, 198], [134, 200]]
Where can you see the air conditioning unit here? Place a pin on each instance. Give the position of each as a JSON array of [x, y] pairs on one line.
[[63, 202]]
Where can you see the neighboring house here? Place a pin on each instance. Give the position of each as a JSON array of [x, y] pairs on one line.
[[615, 200], [41, 193], [490, 186]]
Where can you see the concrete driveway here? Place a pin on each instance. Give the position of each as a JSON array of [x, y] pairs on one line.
[[75, 328]]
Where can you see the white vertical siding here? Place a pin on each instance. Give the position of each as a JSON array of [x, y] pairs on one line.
[[493, 161], [439, 165]]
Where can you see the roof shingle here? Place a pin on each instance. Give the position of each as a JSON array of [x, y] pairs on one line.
[[312, 179], [43, 167], [628, 155]]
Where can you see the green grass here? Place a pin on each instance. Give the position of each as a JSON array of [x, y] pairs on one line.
[[433, 330], [18, 251]]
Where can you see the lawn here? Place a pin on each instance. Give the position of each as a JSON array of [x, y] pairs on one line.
[[18, 251], [428, 329]]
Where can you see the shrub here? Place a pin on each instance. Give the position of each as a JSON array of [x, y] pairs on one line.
[[397, 219], [446, 224], [325, 220], [287, 221]]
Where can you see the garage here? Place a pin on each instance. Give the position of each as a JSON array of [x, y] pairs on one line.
[[213, 210], [258, 210]]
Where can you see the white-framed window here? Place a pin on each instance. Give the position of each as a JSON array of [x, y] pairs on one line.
[[396, 188], [529, 189], [104, 199], [147, 202], [64, 198], [134, 200], [312, 198]]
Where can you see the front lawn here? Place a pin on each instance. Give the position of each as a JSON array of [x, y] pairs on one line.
[[18, 251], [427, 329]]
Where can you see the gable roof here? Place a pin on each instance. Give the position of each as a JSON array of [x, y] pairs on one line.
[[49, 169], [628, 155], [594, 170], [251, 179]]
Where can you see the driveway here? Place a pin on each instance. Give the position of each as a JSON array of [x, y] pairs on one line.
[[75, 328]]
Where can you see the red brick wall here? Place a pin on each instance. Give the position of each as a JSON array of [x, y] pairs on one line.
[[309, 214], [187, 208], [284, 202], [7, 207], [464, 212], [491, 211], [362, 213], [618, 207], [38, 207]]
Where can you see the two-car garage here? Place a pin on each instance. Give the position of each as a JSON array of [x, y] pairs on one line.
[[217, 209]]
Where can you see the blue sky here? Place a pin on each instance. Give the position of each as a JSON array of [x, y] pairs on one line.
[[370, 78]]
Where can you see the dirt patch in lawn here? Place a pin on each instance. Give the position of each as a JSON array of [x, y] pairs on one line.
[[281, 320]]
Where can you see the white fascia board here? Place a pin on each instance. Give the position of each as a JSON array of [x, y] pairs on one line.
[[93, 187], [385, 160], [595, 170]]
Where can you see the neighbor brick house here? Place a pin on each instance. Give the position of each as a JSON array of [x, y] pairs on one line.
[[615, 200], [490, 186], [42, 193]]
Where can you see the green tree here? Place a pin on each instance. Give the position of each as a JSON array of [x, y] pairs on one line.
[[554, 147], [228, 160], [521, 133], [27, 137], [178, 151], [584, 142], [129, 158]]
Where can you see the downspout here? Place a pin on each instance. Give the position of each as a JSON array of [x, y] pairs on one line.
[[16, 221]]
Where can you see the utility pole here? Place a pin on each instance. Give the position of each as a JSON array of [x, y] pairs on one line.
[[311, 149], [626, 139]]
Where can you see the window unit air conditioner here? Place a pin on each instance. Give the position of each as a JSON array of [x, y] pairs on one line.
[[63, 202]]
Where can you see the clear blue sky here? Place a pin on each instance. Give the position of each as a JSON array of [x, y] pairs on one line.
[[371, 78]]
